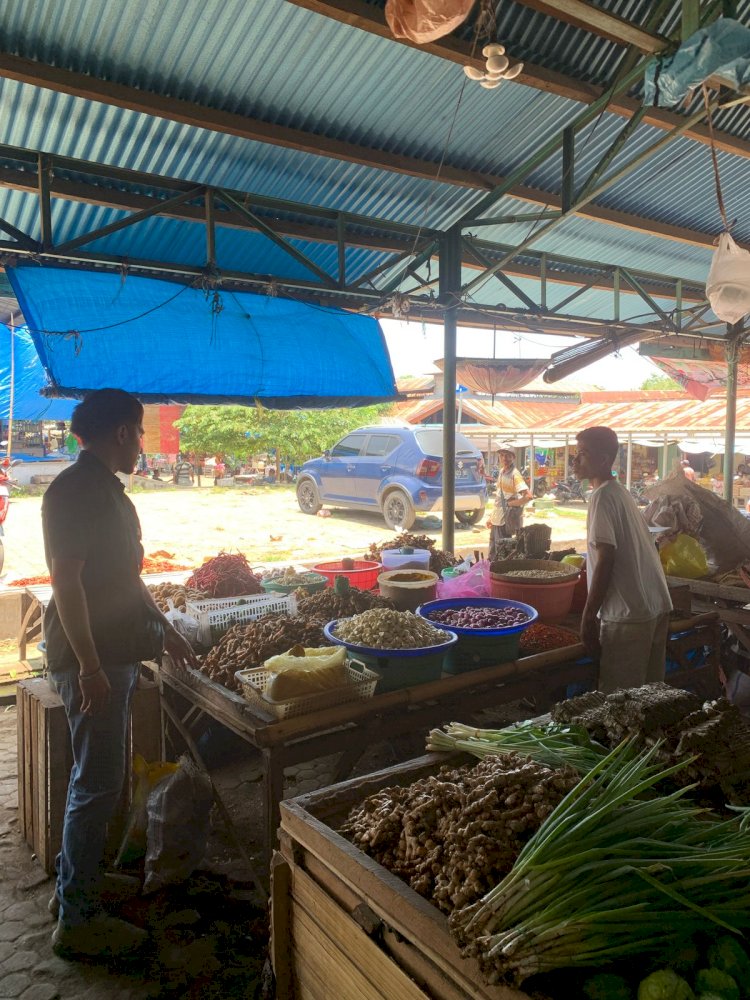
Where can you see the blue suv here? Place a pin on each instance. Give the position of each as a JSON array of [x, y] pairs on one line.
[[396, 470]]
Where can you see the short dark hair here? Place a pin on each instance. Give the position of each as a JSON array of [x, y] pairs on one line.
[[104, 411], [600, 439]]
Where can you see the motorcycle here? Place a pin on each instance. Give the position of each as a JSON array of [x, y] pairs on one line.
[[568, 490], [541, 486], [6, 484]]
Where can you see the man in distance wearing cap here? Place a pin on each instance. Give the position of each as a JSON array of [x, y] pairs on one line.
[[511, 496]]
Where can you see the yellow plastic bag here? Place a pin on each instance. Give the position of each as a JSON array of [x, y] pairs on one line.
[[684, 557]]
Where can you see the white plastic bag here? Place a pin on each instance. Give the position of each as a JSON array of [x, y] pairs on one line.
[[728, 285], [424, 21], [185, 624]]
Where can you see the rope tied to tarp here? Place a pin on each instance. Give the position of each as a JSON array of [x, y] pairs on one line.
[[715, 162]]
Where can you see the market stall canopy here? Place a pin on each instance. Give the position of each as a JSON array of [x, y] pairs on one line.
[[496, 375], [23, 380], [169, 342], [713, 445]]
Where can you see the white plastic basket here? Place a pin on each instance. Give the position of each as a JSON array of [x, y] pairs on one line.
[[217, 615], [360, 686]]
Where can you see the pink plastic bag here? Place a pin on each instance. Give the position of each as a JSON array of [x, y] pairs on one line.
[[474, 583], [423, 21]]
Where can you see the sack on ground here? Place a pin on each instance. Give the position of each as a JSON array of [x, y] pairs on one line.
[[147, 777], [178, 822]]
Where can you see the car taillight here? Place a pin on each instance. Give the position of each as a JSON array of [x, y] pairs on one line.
[[428, 468], [480, 466]]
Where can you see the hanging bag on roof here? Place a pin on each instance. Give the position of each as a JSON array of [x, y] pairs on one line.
[[728, 285], [423, 21]]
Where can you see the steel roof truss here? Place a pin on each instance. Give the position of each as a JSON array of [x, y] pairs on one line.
[[503, 278], [636, 286], [603, 185], [264, 228], [160, 208]]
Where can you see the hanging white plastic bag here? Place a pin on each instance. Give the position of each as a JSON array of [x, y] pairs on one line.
[[185, 624], [424, 21], [728, 285]]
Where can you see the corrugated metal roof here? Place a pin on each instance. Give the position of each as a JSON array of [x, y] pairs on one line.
[[288, 66], [639, 412]]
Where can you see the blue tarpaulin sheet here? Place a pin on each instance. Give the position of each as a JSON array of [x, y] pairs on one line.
[[167, 342], [721, 48], [27, 380]]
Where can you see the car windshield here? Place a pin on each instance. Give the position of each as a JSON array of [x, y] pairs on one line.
[[431, 443]]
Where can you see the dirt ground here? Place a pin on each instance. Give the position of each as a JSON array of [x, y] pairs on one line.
[[264, 523]]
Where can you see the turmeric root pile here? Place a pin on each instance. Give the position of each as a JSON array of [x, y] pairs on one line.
[[453, 835]]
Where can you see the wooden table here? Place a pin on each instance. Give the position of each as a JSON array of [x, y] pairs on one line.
[[34, 601], [349, 729]]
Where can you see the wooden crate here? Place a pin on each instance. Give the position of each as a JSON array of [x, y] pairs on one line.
[[45, 759], [344, 926], [44, 762]]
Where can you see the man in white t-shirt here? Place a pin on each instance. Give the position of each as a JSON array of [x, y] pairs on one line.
[[626, 618]]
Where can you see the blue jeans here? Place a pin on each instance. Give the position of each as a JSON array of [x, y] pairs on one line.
[[95, 785]]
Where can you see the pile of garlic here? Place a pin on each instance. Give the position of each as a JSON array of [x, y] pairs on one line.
[[498, 67]]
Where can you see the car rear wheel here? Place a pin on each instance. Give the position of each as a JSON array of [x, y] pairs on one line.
[[398, 511], [470, 516], [307, 497]]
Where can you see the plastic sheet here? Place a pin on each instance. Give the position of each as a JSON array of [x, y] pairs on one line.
[[167, 342], [728, 284], [721, 49], [474, 583], [424, 21]]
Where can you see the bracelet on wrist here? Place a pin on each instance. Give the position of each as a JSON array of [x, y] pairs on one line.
[[92, 673]]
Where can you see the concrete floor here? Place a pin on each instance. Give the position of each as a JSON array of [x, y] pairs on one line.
[[28, 968]]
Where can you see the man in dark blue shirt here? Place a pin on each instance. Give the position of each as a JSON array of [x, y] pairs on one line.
[[100, 624]]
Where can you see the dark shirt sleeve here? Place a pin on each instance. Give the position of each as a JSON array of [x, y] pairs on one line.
[[69, 517]]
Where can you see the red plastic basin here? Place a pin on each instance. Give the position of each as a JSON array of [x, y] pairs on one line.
[[364, 576], [553, 601]]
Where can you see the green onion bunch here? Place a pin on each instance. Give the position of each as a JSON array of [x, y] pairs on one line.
[[552, 744], [615, 870]]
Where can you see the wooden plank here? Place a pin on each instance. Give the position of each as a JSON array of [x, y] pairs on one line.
[[600, 22], [281, 958], [318, 941], [60, 763], [35, 776], [21, 759], [43, 755], [410, 958], [711, 589]]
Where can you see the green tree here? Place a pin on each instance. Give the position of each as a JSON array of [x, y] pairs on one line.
[[659, 381], [242, 431]]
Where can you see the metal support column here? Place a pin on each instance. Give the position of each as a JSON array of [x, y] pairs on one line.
[[629, 466], [566, 458], [44, 172], [450, 288], [665, 458], [734, 340]]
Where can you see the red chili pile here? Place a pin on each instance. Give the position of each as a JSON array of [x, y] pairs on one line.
[[226, 575], [539, 638], [29, 581]]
